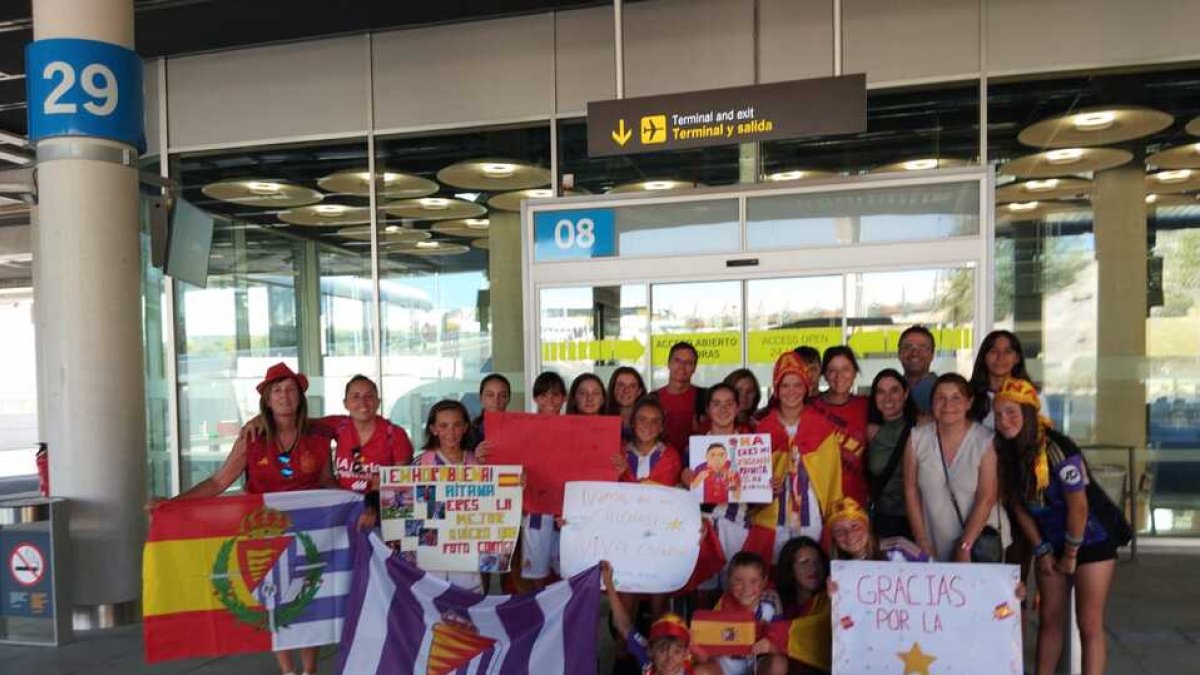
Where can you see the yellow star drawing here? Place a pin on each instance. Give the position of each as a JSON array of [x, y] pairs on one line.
[[916, 661], [675, 524]]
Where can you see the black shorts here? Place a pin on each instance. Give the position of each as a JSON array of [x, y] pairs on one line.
[[1092, 553]]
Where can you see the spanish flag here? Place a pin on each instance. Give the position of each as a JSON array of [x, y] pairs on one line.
[[807, 638], [246, 573]]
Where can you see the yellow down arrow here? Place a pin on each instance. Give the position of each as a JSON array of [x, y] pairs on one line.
[[622, 135]]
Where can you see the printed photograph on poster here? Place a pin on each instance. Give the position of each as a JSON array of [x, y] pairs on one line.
[[650, 534], [731, 468], [452, 518], [925, 618]]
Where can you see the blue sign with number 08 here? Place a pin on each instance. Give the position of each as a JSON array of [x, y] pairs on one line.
[[84, 88], [571, 235]]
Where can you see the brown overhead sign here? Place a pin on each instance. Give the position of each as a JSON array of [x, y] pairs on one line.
[[762, 112]]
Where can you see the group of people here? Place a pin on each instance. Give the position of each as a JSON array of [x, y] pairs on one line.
[[925, 467]]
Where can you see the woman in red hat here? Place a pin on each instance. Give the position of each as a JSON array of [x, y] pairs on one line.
[[290, 456]]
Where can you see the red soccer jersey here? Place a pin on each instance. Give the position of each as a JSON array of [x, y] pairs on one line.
[[851, 419], [354, 464], [303, 470], [681, 415]]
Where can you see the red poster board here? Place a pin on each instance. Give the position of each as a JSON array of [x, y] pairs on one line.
[[554, 449]]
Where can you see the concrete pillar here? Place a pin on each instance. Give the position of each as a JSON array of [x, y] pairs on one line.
[[89, 332], [505, 299], [1028, 292], [1120, 230]]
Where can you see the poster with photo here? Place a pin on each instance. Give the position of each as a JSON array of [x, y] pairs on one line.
[[729, 469], [452, 518]]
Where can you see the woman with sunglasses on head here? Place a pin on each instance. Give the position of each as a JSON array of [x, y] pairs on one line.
[[291, 455], [1047, 491]]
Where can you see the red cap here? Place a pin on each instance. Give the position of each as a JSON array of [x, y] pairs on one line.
[[280, 371], [670, 625]]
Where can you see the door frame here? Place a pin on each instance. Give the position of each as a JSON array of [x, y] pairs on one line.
[[974, 249]]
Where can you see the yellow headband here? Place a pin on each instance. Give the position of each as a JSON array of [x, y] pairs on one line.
[[846, 508], [1019, 391]]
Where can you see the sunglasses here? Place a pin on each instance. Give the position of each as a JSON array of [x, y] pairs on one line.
[[285, 464]]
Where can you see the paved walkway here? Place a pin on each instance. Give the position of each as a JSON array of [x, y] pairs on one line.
[[1153, 623]]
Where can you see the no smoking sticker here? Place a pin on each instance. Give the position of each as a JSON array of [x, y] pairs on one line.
[[27, 564]]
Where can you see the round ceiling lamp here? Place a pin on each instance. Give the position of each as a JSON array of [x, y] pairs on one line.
[[1173, 181], [921, 164], [1065, 162], [326, 215], [1095, 126], [494, 175], [391, 235], [464, 227], [1154, 200], [482, 244], [789, 175], [662, 185], [432, 249], [1046, 188], [434, 208], [1193, 127], [262, 193], [1180, 157], [393, 185], [1016, 212], [511, 201]]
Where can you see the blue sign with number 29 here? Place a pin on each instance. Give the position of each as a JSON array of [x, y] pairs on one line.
[[572, 235], [84, 88]]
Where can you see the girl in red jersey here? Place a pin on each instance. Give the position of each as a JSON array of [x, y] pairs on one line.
[[291, 455], [848, 411], [365, 440]]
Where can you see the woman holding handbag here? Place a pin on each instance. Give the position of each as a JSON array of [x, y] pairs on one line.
[[1073, 525], [951, 482], [891, 414]]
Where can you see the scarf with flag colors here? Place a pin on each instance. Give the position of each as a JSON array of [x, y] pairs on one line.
[[401, 620], [247, 573]]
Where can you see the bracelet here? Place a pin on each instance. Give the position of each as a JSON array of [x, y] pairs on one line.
[[1073, 540], [1043, 549]]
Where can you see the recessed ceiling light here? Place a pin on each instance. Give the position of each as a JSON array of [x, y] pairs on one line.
[[434, 202], [1041, 185], [1094, 121], [428, 244], [659, 185], [330, 209], [1150, 199], [1173, 176], [392, 229], [1021, 207], [477, 223], [540, 193], [786, 175], [920, 164], [467, 196], [260, 187], [1064, 156], [498, 169], [1196, 147]]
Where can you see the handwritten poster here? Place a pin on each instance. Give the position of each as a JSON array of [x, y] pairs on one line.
[[650, 534], [731, 468], [554, 449], [453, 518], [926, 618]]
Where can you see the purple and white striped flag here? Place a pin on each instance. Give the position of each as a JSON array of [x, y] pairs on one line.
[[401, 620]]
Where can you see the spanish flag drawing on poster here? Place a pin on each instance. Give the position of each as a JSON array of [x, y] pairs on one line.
[[247, 573]]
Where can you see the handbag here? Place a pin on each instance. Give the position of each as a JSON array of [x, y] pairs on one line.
[[988, 546]]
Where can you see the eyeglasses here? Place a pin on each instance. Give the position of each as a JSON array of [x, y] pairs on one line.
[[285, 464], [920, 349]]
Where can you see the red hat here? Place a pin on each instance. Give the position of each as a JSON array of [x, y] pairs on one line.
[[670, 625], [790, 363], [280, 371]]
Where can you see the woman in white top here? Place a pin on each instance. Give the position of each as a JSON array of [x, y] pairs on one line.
[[970, 471]]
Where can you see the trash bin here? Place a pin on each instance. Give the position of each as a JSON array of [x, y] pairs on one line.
[[35, 607], [1111, 477]]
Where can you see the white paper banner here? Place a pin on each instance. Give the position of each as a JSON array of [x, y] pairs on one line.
[[650, 534], [731, 468], [926, 618], [453, 518]]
